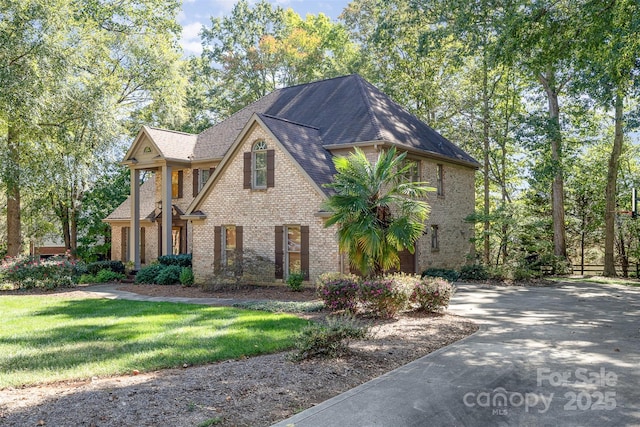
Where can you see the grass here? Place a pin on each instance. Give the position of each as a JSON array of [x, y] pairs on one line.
[[598, 279], [46, 339], [282, 306]]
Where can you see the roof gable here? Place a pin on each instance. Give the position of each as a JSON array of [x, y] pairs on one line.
[[153, 144]]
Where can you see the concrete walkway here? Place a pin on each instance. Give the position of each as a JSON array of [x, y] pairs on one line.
[[559, 356]]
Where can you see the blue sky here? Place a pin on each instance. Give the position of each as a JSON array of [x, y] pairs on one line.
[[196, 13]]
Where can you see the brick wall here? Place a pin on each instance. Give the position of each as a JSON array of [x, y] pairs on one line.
[[448, 213], [292, 201]]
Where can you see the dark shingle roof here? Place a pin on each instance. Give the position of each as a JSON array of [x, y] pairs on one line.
[[305, 145], [343, 110]]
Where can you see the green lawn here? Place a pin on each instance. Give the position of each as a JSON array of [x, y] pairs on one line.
[[45, 339], [598, 279]]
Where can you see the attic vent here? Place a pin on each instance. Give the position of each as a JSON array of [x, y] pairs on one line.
[[147, 149]]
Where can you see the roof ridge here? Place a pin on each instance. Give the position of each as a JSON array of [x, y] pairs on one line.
[[170, 130], [246, 107], [287, 121], [372, 116], [319, 81]]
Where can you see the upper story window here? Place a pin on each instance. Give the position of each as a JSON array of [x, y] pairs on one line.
[[203, 176], [176, 184], [259, 165], [440, 180], [413, 173]]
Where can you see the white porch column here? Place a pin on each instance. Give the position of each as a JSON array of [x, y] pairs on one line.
[[134, 229], [166, 193]]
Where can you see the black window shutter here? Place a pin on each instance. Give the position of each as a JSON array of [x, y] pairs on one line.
[[304, 250], [124, 249], [247, 170], [271, 155], [159, 239], [217, 248], [279, 243], [196, 175], [238, 259], [143, 245], [180, 177]]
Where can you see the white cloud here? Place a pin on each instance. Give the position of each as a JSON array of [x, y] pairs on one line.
[[190, 40]]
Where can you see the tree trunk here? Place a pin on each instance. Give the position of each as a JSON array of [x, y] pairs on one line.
[[64, 220], [557, 187], [14, 232], [485, 140], [610, 191], [73, 231]]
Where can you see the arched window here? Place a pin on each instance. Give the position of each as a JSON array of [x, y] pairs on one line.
[[259, 165]]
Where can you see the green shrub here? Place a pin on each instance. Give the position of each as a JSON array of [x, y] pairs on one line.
[[524, 273], [27, 272], [181, 260], [115, 266], [338, 291], [87, 279], [105, 276], [432, 294], [383, 297], [450, 275], [328, 339], [474, 272], [80, 269], [148, 274], [169, 275], [294, 281], [186, 276]]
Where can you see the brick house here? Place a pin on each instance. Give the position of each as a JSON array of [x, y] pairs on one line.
[[252, 185]]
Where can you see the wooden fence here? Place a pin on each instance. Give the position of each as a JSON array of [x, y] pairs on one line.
[[598, 269]]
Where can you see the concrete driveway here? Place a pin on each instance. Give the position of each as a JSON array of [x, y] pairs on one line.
[[567, 355]]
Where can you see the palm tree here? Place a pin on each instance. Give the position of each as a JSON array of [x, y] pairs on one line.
[[377, 209]]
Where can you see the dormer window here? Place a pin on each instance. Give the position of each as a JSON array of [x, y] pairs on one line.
[[259, 165]]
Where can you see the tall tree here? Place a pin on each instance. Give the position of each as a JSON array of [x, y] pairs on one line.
[[259, 48], [32, 52], [611, 65], [400, 57], [378, 212], [79, 69], [540, 38]]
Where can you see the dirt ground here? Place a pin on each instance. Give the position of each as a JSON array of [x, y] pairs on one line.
[[254, 391]]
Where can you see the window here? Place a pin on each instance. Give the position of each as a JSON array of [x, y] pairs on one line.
[[227, 249], [202, 178], [435, 244], [228, 254], [413, 174], [440, 180], [176, 184], [259, 165], [176, 239], [125, 237], [293, 250]]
